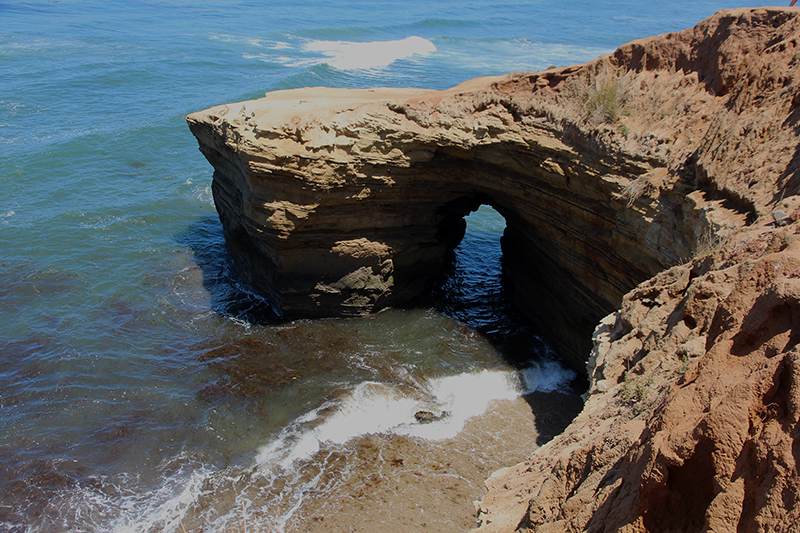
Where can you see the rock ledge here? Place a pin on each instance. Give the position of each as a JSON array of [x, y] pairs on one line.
[[640, 187]]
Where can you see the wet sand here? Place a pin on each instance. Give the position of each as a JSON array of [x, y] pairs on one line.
[[396, 484]]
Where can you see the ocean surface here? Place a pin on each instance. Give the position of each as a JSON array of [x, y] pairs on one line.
[[142, 387]]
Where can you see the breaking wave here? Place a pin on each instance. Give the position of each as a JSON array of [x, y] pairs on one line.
[[345, 55]]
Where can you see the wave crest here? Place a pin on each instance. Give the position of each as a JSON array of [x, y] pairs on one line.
[[352, 56]]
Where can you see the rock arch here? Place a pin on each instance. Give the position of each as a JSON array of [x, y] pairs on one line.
[[344, 202], [349, 198], [341, 202], [349, 202]]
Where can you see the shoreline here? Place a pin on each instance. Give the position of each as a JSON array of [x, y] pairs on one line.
[[610, 174], [397, 483]]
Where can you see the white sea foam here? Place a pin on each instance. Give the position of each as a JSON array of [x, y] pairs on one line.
[[345, 55], [548, 376], [167, 516], [368, 408], [287, 61], [373, 407], [237, 39], [461, 398], [108, 506]]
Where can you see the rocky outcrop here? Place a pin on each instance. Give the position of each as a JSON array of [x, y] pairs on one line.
[[345, 201], [663, 162], [692, 420]]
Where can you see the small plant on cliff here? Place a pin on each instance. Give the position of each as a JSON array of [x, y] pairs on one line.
[[709, 242], [603, 101], [633, 389], [637, 188], [684, 366]]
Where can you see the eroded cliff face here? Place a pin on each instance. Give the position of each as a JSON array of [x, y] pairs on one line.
[[343, 202], [609, 174], [691, 423], [339, 202]]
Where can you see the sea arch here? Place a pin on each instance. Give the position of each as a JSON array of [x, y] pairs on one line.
[[697, 149], [343, 202]]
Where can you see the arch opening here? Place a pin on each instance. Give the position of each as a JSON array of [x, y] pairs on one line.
[[477, 289], [533, 289]]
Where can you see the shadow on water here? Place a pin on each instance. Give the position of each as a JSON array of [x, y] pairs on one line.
[[473, 289], [230, 297]]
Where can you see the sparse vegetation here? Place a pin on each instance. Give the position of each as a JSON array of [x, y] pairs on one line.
[[603, 103], [684, 364], [708, 243], [637, 188], [633, 389]]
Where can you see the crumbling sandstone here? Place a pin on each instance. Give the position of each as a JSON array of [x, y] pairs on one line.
[[640, 187]]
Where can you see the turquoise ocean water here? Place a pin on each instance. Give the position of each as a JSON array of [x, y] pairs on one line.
[[142, 387]]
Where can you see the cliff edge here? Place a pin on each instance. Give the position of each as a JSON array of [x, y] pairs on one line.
[[692, 421], [656, 187]]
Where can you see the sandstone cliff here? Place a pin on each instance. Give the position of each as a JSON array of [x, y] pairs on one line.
[[664, 160], [691, 423], [692, 419]]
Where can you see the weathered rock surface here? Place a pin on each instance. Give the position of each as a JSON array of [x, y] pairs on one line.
[[691, 423], [608, 173], [692, 419]]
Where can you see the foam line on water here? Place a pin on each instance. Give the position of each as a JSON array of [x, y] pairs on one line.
[[168, 514], [373, 407], [345, 55], [370, 407]]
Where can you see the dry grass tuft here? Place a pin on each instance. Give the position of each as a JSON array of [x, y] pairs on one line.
[[638, 188], [603, 102]]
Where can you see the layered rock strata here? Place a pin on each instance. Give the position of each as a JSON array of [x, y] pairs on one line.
[[340, 202], [692, 421], [664, 160]]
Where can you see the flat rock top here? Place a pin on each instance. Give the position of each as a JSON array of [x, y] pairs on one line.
[[719, 100], [285, 105]]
